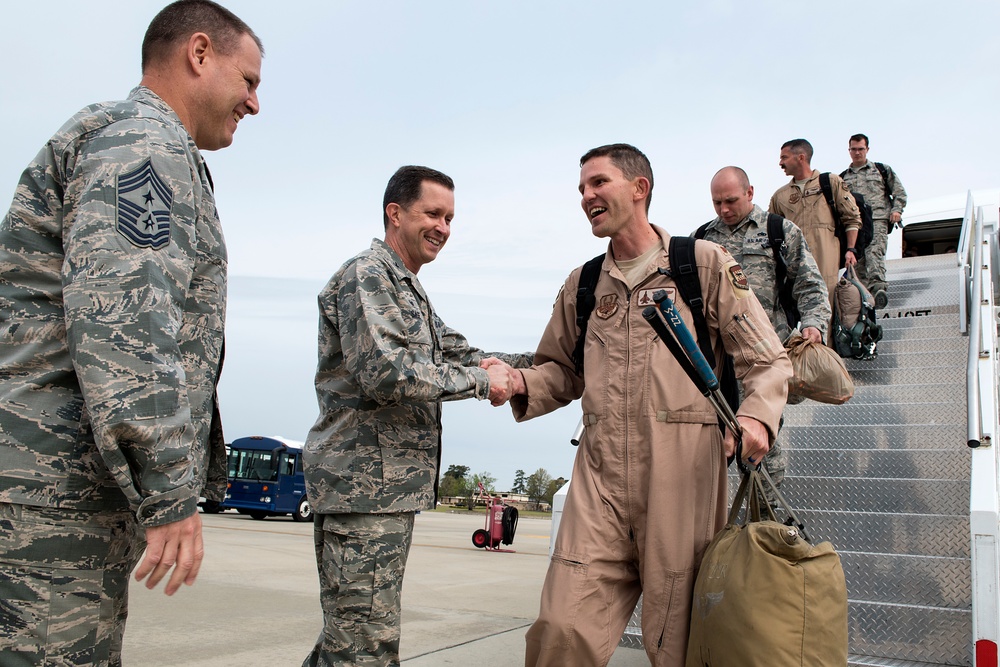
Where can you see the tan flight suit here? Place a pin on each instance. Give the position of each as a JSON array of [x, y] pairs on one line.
[[808, 209], [648, 490]]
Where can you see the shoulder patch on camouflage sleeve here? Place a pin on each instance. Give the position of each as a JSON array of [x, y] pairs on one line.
[[143, 207], [738, 279]]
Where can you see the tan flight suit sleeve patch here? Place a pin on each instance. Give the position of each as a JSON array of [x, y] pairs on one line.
[[738, 279]]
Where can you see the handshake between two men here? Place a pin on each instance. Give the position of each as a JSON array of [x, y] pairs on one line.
[[505, 380]]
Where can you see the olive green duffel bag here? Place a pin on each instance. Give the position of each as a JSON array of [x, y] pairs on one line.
[[766, 597]]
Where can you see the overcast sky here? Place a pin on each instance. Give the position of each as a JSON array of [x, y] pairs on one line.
[[505, 97]]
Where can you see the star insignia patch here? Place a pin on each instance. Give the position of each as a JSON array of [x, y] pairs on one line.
[[144, 207]]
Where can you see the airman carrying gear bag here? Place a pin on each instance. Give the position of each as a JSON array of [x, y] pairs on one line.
[[765, 597]]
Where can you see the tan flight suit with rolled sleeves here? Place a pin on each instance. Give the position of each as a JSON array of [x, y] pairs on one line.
[[648, 490]]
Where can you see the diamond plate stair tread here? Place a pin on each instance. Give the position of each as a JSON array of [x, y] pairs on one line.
[[907, 393], [940, 464], [854, 494], [905, 360], [878, 496], [875, 414], [882, 436], [894, 579], [908, 534], [935, 373], [918, 327], [916, 345], [854, 660], [940, 636]]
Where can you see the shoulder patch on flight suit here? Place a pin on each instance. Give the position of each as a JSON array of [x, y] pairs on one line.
[[741, 286], [607, 306], [143, 203]]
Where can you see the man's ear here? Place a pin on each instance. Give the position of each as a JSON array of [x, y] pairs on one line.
[[640, 187], [392, 211], [199, 49]]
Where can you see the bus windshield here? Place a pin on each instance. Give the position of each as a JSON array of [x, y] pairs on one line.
[[255, 465]]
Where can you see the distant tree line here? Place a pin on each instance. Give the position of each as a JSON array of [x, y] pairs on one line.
[[538, 486]]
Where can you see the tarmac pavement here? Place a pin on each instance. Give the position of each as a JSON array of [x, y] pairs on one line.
[[256, 600]]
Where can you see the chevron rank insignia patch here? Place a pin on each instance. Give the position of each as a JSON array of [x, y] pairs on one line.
[[144, 207]]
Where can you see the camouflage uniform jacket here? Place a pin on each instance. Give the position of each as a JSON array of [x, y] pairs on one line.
[[868, 181], [386, 362], [112, 310], [747, 242]]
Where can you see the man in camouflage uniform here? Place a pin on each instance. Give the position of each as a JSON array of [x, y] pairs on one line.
[[386, 362], [741, 228], [885, 194], [112, 310]]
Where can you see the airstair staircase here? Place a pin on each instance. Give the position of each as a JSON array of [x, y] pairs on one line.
[[885, 478]]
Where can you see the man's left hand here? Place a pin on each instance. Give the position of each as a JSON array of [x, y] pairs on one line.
[[177, 546]]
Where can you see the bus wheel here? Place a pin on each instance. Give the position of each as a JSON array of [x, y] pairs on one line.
[[304, 512], [257, 514]]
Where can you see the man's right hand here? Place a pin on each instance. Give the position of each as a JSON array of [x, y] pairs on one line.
[[505, 381], [176, 546]]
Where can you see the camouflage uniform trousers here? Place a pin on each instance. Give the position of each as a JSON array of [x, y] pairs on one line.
[[361, 559], [871, 267], [64, 578], [775, 461]]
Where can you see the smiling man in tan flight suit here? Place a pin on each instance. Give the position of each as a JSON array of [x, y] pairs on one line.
[[648, 490]]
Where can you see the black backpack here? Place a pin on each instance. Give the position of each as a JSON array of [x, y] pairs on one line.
[[884, 172], [867, 230], [775, 239], [684, 271]]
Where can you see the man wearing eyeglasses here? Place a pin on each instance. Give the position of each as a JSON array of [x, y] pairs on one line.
[[885, 194]]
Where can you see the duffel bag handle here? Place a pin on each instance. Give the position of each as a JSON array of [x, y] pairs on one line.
[[753, 478]]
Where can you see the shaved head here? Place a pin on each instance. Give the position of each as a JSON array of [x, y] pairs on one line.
[[732, 195], [727, 173]]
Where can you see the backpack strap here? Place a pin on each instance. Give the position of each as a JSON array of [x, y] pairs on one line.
[[585, 302], [838, 228], [776, 238], [684, 271], [882, 169], [701, 231], [824, 184]]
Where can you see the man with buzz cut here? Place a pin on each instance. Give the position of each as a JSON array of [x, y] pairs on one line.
[[649, 487], [112, 312], [884, 192]]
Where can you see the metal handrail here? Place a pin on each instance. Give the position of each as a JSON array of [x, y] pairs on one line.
[[975, 328], [964, 276], [963, 238]]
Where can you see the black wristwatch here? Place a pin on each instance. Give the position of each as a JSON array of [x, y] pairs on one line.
[[853, 250]]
